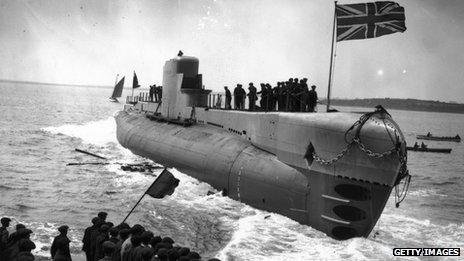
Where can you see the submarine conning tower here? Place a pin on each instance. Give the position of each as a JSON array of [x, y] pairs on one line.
[[182, 87]]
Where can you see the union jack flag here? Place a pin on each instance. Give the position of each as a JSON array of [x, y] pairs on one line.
[[369, 20]]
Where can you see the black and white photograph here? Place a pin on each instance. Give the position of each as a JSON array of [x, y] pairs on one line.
[[174, 130]]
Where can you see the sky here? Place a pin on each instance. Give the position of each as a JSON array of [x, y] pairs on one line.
[[237, 41]]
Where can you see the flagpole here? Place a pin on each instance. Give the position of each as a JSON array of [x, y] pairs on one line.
[[140, 199], [331, 57]]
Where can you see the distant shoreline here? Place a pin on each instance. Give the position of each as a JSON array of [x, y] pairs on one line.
[[388, 103], [401, 104], [55, 84]]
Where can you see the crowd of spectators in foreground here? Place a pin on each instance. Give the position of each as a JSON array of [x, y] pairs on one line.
[[102, 242], [18, 245]]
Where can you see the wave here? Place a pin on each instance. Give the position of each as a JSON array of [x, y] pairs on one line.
[[5, 187], [444, 183], [426, 193], [99, 133], [409, 232], [269, 236]]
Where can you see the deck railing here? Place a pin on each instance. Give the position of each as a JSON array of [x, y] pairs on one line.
[[284, 103], [142, 97]]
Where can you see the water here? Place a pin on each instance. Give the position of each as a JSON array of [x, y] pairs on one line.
[[40, 126]]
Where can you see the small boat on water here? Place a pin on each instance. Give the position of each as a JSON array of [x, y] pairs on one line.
[[439, 138], [117, 91], [437, 150]]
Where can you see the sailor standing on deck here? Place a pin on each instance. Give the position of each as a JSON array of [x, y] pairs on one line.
[[303, 95], [295, 97], [263, 92], [312, 99], [228, 98], [152, 92], [288, 94], [252, 97], [239, 96], [280, 96]]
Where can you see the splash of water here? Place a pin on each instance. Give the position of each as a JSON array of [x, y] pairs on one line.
[[99, 133]]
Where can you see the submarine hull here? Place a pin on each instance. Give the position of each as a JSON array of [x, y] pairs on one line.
[[341, 207]]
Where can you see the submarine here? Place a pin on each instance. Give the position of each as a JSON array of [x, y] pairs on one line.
[[333, 171]]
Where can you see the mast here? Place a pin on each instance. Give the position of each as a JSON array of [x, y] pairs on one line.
[[331, 56]]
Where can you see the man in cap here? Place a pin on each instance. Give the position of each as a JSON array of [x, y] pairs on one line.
[[312, 99], [145, 243], [126, 246], [4, 235], [303, 94], [123, 235], [86, 247], [25, 248], [147, 254], [102, 215], [12, 251], [228, 98], [152, 92], [114, 235], [239, 97], [60, 245], [271, 98], [252, 96], [296, 92], [162, 254], [93, 238], [263, 102], [136, 241], [101, 238], [108, 250], [14, 234]]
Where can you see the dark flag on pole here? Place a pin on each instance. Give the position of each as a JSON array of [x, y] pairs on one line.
[[163, 185], [369, 20], [135, 82]]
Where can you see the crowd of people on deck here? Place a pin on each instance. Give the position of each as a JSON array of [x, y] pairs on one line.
[[292, 95], [102, 241], [155, 93]]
